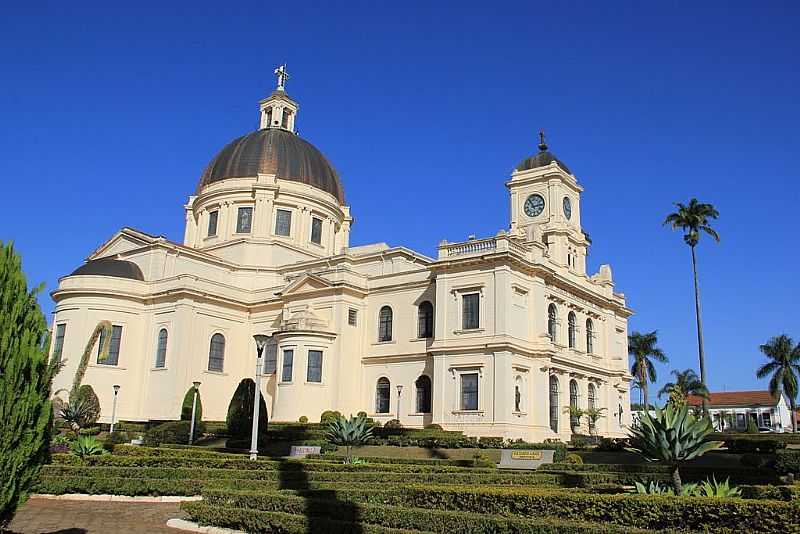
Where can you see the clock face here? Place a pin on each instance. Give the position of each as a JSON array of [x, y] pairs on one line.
[[534, 205], [567, 208]]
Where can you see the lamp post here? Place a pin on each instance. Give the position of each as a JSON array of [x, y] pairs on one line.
[[194, 411], [261, 343], [399, 393], [114, 408]]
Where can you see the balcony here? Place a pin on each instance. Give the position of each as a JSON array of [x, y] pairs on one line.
[[476, 247]]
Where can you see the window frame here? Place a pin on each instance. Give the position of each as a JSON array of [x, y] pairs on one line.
[[314, 220], [463, 392], [58, 341], [161, 351], [383, 383], [572, 330], [278, 212], [239, 218], [114, 347], [213, 215], [385, 324], [424, 396], [589, 336], [270, 357], [212, 355], [309, 367], [352, 316], [553, 400], [425, 316], [284, 352], [466, 318]]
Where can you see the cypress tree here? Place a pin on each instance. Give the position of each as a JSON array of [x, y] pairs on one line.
[[26, 411], [186, 411], [240, 411]]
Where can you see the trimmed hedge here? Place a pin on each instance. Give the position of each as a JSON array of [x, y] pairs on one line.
[[788, 461], [410, 461], [741, 475], [785, 437], [641, 511], [417, 519], [504, 478], [778, 493], [762, 445]]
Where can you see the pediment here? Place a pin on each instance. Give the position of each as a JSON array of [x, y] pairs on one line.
[[306, 283], [123, 241]]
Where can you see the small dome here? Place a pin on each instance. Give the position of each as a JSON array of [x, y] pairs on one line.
[[110, 267], [274, 151], [541, 159]]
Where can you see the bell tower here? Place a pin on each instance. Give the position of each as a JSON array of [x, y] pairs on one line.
[[278, 110], [545, 207]]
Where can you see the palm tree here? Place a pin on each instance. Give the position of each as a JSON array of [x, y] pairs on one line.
[[643, 349], [784, 366], [686, 383], [693, 219]]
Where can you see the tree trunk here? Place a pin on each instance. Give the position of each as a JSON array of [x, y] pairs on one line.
[[643, 378], [700, 351], [677, 485], [348, 455], [793, 417]]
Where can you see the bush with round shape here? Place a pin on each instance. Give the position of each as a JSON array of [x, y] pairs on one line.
[[240, 411], [87, 395], [573, 459], [393, 424], [303, 419], [186, 410], [433, 426], [329, 416]]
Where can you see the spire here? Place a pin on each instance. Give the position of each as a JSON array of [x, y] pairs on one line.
[[542, 144], [282, 75]]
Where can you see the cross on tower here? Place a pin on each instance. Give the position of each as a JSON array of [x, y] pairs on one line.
[[282, 75], [542, 144]]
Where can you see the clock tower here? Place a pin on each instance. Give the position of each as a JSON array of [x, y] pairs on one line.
[[545, 208]]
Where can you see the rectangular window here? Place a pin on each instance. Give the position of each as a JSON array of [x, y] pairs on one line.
[[352, 317], [270, 358], [58, 342], [283, 222], [113, 348], [288, 362], [766, 420], [471, 311], [314, 373], [244, 220], [213, 218], [469, 391], [316, 230], [285, 120], [740, 421]]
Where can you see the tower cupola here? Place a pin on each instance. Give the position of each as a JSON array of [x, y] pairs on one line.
[[278, 110]]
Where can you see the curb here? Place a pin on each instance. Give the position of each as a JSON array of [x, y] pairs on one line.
[[116, 498], [190, 526]]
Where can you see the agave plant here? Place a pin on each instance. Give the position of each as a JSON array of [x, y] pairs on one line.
[[87, 446], [712, 488], [673, 435], [349, 433], [77, 413]]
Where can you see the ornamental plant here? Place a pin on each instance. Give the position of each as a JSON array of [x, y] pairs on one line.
[[240, 411], [673, 435], [349, 433], [87, 446], [26, 375]]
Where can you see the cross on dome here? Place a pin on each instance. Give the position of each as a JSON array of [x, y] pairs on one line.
[[542, 144], [282, 75]]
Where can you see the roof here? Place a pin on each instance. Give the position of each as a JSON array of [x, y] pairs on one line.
[[736, 398], [274, 151], [541, 159], [110, 267]]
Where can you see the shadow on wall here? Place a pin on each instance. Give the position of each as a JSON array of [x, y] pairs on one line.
[[324, 512]]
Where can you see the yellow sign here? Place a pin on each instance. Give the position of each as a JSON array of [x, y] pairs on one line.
[[526, 455]]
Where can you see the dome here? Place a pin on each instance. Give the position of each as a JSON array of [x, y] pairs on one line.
[[110, 267], [274, 151], [541, 159]]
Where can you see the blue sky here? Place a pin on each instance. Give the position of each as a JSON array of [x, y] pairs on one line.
[[109, 115]]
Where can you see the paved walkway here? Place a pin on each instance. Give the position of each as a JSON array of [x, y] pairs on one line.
[[50, 516]]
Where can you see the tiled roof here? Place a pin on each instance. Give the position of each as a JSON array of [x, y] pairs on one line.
[[736, 398]]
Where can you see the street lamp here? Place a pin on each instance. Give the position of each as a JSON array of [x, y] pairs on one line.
[[261, 343], [194, 411], [399, 393], [114, 408]]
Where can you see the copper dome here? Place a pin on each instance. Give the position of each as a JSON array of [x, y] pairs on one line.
[[274, 151], [541, 159]]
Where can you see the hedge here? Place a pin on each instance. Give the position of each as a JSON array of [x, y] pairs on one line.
[[785, 437], [505, 478], [417, 519], [483, 462], [788, 461], [641, 511], [762, 445], [741, 475], [778, 493]]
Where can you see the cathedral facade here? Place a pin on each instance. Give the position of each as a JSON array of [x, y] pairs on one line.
[[497, 336]]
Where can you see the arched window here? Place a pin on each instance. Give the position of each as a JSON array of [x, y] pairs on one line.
[[551, 322], [382, 391], [385, 324], [425, 319], [554, 403], [518, 394], [216, 353], [592, 397], [589, 336], [161, 349], [423, 394], [573, 401], [572, 327]]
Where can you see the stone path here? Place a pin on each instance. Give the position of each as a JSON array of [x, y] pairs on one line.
[[51, 516]]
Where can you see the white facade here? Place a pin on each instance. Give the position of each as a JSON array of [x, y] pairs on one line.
[[497, 363]]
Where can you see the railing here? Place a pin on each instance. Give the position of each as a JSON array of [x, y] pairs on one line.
[[498, 243]]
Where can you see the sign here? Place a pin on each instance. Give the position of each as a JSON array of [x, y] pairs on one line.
[[301, 451], [525, 459], [526, 455]]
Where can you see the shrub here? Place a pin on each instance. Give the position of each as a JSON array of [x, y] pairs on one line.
[[788, 461], [778, 493], [758, 461], [573, 458], [754, 445], [362, 414], [579, 441], [88, 397], [328, 416], [186, 413], [171, 432], [349, 433], [89, 431], [612, 444], [240, 411], [393, 424], [433, 426], [118, 437], [303, 419], [752, 427]]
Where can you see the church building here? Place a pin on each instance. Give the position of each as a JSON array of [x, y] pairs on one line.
[[495, 336]]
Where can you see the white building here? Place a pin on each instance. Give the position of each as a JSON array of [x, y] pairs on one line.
[[731, 410], [495, 336]]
